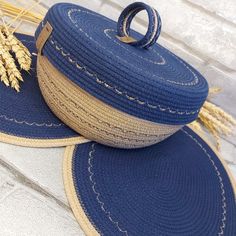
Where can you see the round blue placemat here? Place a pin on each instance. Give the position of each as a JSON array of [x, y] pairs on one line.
[[25, 118], [176, 187]]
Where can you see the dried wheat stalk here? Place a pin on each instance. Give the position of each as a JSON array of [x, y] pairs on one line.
[[220, 114], [9, 45], [3, 73], [214, 119], [13, 73], [214, 90], [22, 54], [17, 12]]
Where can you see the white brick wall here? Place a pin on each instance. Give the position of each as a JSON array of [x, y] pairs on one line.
[[224, 9]]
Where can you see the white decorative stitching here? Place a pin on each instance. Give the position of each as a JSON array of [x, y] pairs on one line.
[[93, 184], [195, 81], [68, 99], [116, 223], [162, 62], [224, 211], [108, 213], [192, 83], [23, 122], [81, 30]]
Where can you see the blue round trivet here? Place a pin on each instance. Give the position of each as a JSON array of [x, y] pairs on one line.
[[25, 119], [178, 187]]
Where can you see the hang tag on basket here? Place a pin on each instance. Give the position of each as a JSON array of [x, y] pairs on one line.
[[43, 37]]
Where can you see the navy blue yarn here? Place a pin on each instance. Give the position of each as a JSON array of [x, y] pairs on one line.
[[137, 7], [29, 106], [169, 189], [138, 77]]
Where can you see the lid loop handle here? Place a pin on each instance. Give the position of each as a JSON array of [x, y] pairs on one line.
[[125, 19]]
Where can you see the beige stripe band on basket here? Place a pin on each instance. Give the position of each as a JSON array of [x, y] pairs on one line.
[[91, 117]]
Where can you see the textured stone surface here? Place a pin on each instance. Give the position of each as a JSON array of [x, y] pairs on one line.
[[7, 184], [225, 9], [227, 82], [27, 212], [41, 165], [228, 152]]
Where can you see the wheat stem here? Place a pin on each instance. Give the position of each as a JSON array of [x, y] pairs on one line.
[[23, 12], [22, 54], [220, 114], [214, 90], [215, 119]]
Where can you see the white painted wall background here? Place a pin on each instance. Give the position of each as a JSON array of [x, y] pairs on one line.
[[203, 32]]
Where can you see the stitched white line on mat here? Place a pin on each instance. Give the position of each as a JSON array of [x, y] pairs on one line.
[[101, 203], [116, 223], [224, 211], [23, 122]]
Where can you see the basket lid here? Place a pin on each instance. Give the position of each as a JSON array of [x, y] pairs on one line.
[[134, 74]]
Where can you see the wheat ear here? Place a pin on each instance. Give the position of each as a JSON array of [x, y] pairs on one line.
[[206, 121], [215, 119], [3, 73], [196, 126], [214, 90], [14, 75], [21, 52], [220, 114]]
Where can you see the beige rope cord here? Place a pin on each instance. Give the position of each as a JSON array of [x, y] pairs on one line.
[[77, 207], [41, 143], [92, 118]]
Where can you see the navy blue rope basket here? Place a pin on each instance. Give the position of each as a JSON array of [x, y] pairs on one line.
[[127, 72]]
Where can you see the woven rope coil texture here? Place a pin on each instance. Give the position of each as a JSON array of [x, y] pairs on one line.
[[91, 117], [118, 74]]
